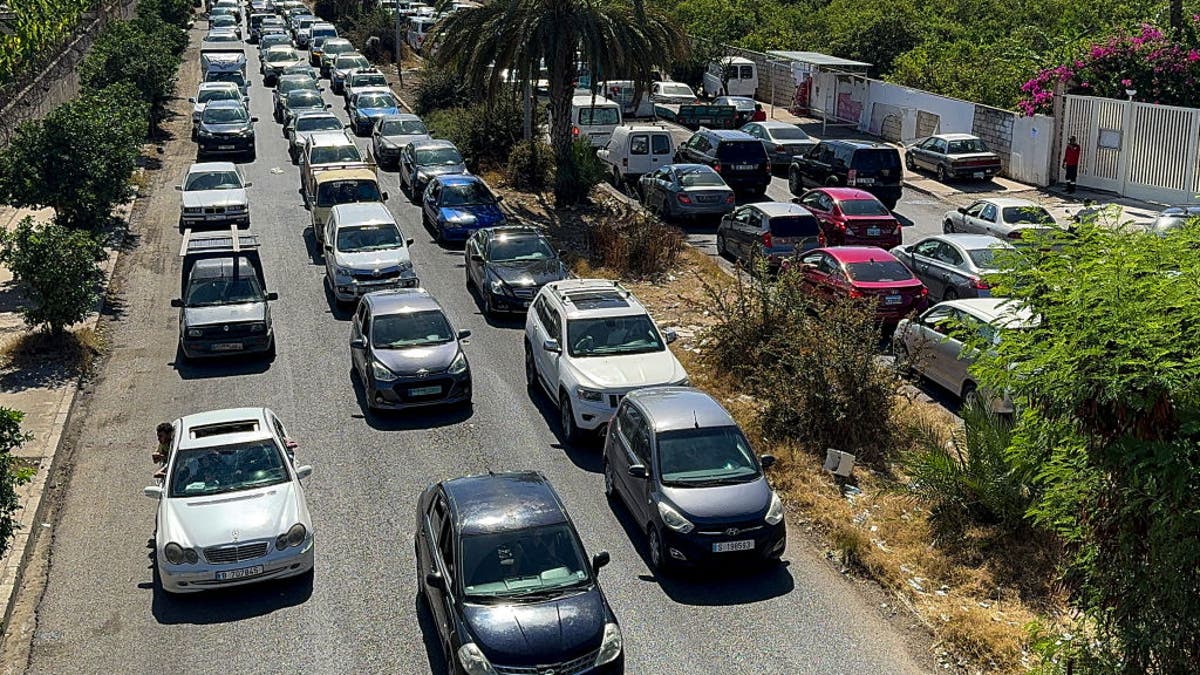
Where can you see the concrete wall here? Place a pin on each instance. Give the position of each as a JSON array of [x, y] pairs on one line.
[[1031, 156], [995, 127]]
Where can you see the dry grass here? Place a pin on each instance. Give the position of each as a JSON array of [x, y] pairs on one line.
[[47, 359]]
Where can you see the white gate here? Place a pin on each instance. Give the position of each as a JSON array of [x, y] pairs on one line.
[[1139, 150]]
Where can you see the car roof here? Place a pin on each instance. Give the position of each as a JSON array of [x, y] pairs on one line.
[[972, 242], [458, 179], [205, 86], [955, 137], [335, 40], [739, 60], [226, 103], [362, 213], [671, 408], [401, 300], [739, 98], [503, 501], [774, 209], [322, 139], [594, 298], [997, 311], [199, 167], [692, 167], [729, 134], [585, 100], [248, 424], [776, 124], [513, 230], [853, 254], [848, 194], [432, 143], [309, 114], [280, 48], [640, 128], [1009, 201]]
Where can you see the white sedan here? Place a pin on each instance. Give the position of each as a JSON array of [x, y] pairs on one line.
[[1003, 218]]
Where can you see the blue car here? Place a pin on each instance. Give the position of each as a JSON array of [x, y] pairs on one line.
[[454, 207], [366, 107]]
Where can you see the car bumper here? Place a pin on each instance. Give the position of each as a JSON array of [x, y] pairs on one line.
[[216, 347], [502, 302], [594, 415], [699, 210], [351, 291], [403, 393], [695, 549], [215, 219], [885, 242], [755, 181], [222, 146], [203, 576], [980, 173]]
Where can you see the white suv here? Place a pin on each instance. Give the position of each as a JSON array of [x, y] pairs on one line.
[[588, 342]]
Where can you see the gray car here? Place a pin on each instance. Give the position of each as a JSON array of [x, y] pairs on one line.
[[690, 479], [275, 59], [225, 127], [1002, 217], [953, 265], [782, 140], [365, 251], [305, 124], [286, 85], [405, 352], [392, 133], [423, 160], [1172, 219], [686, 191], [953, 156], [302, 101], [768, 231]]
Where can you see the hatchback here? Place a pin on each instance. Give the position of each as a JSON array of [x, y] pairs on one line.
[[953, 265], [686, 191], [849, 216], [739, 157], [456, 206], [782, 140], [874, 167], [770, 231], [864, 272], [689, 478]]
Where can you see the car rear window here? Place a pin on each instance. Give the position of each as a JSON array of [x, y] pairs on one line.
[[864, 207], [741, 151], [794, 226], [1027, 215], [876, 160], [878, 270], [599, 115]]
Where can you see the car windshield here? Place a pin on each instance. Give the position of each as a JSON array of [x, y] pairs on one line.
[[372, 80], [347, 192], [878, 270], [875, 160], [224, 291], [318, 123], [402, 128], [1027, 215], [538, 560], [966, 145], [221, 94], [788, 134], [438, 157], [525, 247], [225, 115], [230, 468], [304, 98], [361, 238], [281, 55], [272, 39], [222, 21], [598, 115], [345, 62], [864, 207], [706, 456], [375, 101], [705, 177], [288, 86], [410, 329], [677, 90], [335, 154], [336, 47], [467, 194], [613, 335], [212, 180], [741, 151]]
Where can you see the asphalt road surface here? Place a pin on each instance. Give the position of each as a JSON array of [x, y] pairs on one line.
[[101, 611]]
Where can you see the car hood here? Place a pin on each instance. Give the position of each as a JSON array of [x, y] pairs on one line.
[[212, 520], [224, 128], [538, 632], [383, 260], [630, 370], [481, 215], [433, 359], [377, 112], [727, 503], [206, 316], [401, 141], [199, 198], [528, 272]]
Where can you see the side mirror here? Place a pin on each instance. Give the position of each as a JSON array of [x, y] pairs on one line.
[[600, 560], [272, 296], [499, 198], [328, 106], [435, 580], [670, 335], [248, 185], [962, 209], [767, 461], [253, 119], [385, 196], [191, 99], [303, 472], [153, 491], [464, 334], [409, 241], [358, 343], [552, 346], [177, 302], [637, 471], [179, 188]]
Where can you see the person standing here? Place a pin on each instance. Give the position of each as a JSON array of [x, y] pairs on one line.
[[759, 115], [165, 433], [1071, 162]]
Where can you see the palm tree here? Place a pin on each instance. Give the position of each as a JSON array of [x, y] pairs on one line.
[[520, 37]]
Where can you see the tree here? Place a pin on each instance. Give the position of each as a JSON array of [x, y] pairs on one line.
[[519, 36], [141, 53], [56, 268], [12, 473]]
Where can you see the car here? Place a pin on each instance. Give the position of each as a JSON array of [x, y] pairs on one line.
[[934, 344], [255, 22], [863, 272], [275, 60], [303, 124], [317, 34], [636, 150], [335, 184], [508, 264], [222, 35], [782, 140], [273, 29], [1001, 217], [214, 194], [213, 91], [421, 161], [953, 266], [678, 191], [367, 106], [362, 80], [506, 577], [222, 11], [406, 354], [301, 69], [302, 30], [231, 509], [268, 40], [1173, 218], [771, 232], [342, 66], [232, 5], [672, 92], [226, 21], [691, 481], [870, 166], [953, 157], [739, 157], [849, 216], [392, 133], [364, 251], [455, 206], [286, 85], [588, 342], [235, 77], [326, 149], [302, 101], [226, 127], [331, 48], [743, 106]]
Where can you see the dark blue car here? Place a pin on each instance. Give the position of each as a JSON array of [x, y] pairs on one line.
[[455, 206], [508, 584], [366, 107]]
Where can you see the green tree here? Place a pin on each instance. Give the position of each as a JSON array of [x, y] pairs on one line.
[[141, 53], [519, 36], [12, 472], [177, 13], [56, 268]]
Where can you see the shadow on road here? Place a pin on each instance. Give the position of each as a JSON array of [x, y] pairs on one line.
[[231, 366], [429, 633], [585, 455], [416, 419]]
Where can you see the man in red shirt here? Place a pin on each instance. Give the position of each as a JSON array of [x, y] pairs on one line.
[[760, 115], [1071, 162]]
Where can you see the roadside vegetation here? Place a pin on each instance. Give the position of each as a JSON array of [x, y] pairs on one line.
[[13, 473], [40, 27]]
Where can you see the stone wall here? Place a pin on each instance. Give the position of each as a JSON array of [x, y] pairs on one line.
[[995, 127]]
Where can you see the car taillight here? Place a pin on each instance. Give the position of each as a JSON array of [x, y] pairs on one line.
[[730, 199], [717, 167], [851, 176], [923, 292], [855, 293], [979, 284], [574, 131], [766, 240], [767, 167], [683, 199], [820, 239], [1015, 234]]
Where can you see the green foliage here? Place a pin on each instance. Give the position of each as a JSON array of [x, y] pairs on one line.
[[531, 166], [360, 28], [177, 13], [438, 89], [78, 159], [40, 26], [142, 53], [57, 270], [485, 134], [12, 472], [574, 180]]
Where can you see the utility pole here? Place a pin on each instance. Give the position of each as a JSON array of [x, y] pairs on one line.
[[396, 48], [527, 120]]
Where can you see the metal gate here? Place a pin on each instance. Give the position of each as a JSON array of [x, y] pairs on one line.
[[1139, 150]]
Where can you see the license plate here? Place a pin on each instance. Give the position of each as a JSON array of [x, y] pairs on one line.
[[240, 574], [872, 231], [979, 174], [227, 347], [893, 299], [224, 147], [865, 181], [727, 546], [744, 167], [424, 391]]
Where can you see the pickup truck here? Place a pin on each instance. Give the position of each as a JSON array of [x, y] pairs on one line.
[[335, 184], [224, 305], [696, 115], [222, 57]]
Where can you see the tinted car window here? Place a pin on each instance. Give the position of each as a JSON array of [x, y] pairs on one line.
[[700, 177], [660, 144], [876, 160], [741, 151], [863, 207], [795, 226], [984, 258], [410, 329], [599, 116], [1022, 215], [789, 134], [521, 561], [880, 270], [704, 456]]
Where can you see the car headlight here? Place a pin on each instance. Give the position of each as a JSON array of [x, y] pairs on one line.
[[610, 646], [775, 513], [459, 364], [237, 208], [673, 519], [203, 132], [258, 327], [473, 661], [194, 332], [381, 372], [293, 537], [422, 176], [499, 288], [246, 131], [592, 395], [339, 271], [177, 555]]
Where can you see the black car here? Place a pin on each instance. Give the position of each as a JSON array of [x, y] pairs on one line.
[[508, 265], [869, 166], [739, 157], [505, 576], [225, 128]]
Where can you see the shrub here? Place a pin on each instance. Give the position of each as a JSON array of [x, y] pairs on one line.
[[56, 268], [531, 166], [634, 244], [485, 134], [361, 28], [177, 13], [575, 181], [141, 53], [440, 88], [12, 473]]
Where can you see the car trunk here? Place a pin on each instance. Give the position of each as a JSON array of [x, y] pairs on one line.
[[742, 158], [981, 160], [707, 194], [869, 228], [895, 298]]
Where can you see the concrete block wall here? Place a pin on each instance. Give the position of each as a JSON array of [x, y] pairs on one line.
[[995, 127]]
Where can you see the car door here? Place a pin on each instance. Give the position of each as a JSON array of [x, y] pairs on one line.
[[429, 202], [619, 453], [638, 159], [440, 537], [949, 273], [659, 189], [405, 168], [813, 273], [360, 328], [739, 221], [988, 221], [660, 149], [640, 489], [924, 343], [970, 221], [818, 165], [922, 258], [546, 327], [822, 207]]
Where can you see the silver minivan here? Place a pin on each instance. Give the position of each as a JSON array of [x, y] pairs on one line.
[[365, 251]]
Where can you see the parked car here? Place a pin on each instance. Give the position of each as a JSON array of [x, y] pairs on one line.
[[286, 85], [1173, 218], [507, 265], [874, 167], [593, 119], [782, 140], [672, 92], [953, 265], [231, 471], [455, 206], [421, 161], [392, 133], [362, 80], [275, 59], [690, 479], [933, 344], [508, 582], [405, 352], [213, 195], [743, 105], [225, 127], [304, 124], [588, 342], [234, 77], [343, 64], [769, 231], [1001, 217], [678, 191], [301, 101], [740, 158], [635, 150], [213, 91], [365, 107], [331, 48], [864, 272], [953, 157], [226, 21], [365, 251], [850, 216]]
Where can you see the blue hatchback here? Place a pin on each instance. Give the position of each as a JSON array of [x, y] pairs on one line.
[[455, 206], [366, 107]]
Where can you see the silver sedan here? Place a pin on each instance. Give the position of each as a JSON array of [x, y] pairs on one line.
[[1005, 218], [953, 265]]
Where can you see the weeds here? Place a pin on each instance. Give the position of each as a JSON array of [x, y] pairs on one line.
[[631, 243]]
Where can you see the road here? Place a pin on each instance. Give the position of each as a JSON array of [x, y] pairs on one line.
[[100, 611]]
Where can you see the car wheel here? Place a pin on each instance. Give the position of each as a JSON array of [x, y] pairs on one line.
[[950, 294], [794, 183], [271, 350], [948, 226], [488, 308], [609, 481], [530, 369], [665, 211], [721, 250], [832, 181], [658, 557], [566, 420], [941, 174], [909, 163]]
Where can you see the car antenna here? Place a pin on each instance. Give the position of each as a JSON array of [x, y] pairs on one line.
[[695, 417]]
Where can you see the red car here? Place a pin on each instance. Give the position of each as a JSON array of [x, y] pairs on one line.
[[865, 272], [852, 217]]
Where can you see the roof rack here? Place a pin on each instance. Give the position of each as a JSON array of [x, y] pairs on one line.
[[216, 240], [590, 286]]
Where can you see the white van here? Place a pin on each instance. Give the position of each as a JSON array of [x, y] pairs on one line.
[[742, 75], [636, 150], [594, 121], [418, 27]]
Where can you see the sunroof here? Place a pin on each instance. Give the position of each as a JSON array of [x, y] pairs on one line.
[[598, 300], [223, 428]]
